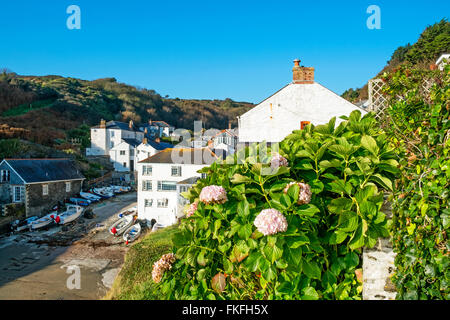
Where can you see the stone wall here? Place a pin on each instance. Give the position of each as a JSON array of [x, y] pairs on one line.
[[378, 267], [38, 204]]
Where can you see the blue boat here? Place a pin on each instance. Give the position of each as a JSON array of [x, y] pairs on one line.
[[81, 202]]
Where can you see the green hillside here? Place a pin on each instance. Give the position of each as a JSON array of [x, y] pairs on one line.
[[44, 109]]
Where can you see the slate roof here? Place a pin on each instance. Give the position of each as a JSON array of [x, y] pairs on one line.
[[183, 156], [160, 123], [45, 170], [118, 125], [159, 145], [132, 142], [190, 181]]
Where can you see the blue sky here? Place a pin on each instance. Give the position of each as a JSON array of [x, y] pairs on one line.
[[210, 49]]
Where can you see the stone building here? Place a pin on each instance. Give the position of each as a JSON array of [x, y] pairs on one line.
[[38, 183]]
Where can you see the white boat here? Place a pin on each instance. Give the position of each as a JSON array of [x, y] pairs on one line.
[[43, 222], [157, 226], [121, 225], [90, 196], [22, 225], [132, 233], [132, 210], [72, 213], [103, 192]]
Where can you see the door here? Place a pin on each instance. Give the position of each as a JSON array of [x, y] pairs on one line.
[[131, 165]]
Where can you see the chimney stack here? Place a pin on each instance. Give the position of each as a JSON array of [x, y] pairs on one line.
[[130, 124], [102, 123], [150, 122], [302, 75], [229, 125], [158, 140], [144, 141]]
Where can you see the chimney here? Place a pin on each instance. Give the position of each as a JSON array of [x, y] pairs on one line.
[[145, 130], [229, 125], [150, 122], [130, 124], [157, 140], [102, 123], [144, 141], [302, 74]]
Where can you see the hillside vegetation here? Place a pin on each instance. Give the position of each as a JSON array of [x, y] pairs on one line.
[[43, 109], [434, 41]]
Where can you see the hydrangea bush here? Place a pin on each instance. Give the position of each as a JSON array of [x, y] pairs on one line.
[[287, 223]]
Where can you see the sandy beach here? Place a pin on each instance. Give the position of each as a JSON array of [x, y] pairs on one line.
[[38, 265]]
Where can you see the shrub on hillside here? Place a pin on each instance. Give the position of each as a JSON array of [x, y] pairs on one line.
[[287, 226]]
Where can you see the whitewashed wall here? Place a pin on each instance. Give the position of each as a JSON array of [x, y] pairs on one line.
[[162, 172], [276, 117]]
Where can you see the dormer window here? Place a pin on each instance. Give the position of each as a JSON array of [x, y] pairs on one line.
[[5, 176]]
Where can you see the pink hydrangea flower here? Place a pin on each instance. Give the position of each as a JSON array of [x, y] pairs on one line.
[[160, 266], [213, 194], [270, 221], [191, 210], [278, 161], [304, 196]]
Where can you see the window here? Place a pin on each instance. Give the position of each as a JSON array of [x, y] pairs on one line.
[[148, 203], [183, 189], [304, 124], [112, 145], [204, 175], [122, 152], [112, 133], [5, 176], [163, 203], [147, 170], [17, 194], [132, 152], [45, 189], [167, 186], [176, 171], [68, 186], [146, 185]]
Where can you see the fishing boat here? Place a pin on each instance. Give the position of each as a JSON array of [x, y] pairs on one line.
[[18, 225], [127, 212], [121, 225], [132, 233], [103, 192], [72, 212], [90, 196], [81, 202], [43, 222]]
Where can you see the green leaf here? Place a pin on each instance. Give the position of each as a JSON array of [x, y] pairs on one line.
[[309, 293], [238, 178], [348, 221], [382, 181], [358, 239], [369, 143], [243, 208], [307, 210], [311, 270], [340, 205]]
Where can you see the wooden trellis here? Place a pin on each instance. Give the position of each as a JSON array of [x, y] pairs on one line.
[[378, 100]]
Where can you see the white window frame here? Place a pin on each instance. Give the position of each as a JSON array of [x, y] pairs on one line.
[[163, 203], [147, 170], [148, 203], [177, 173], [45, 189], [15, 188], [146, 184], [68, 186], [122, 153], [171, 183], [5, 174]]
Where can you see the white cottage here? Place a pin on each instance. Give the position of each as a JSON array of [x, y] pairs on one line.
[[158, 176], [301, 102], [108, 135]]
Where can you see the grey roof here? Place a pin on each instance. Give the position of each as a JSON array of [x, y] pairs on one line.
[[132, 142], [160, 123], [190, 181], [43, 170], [118, 125], [159, 145], [183, 156]]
